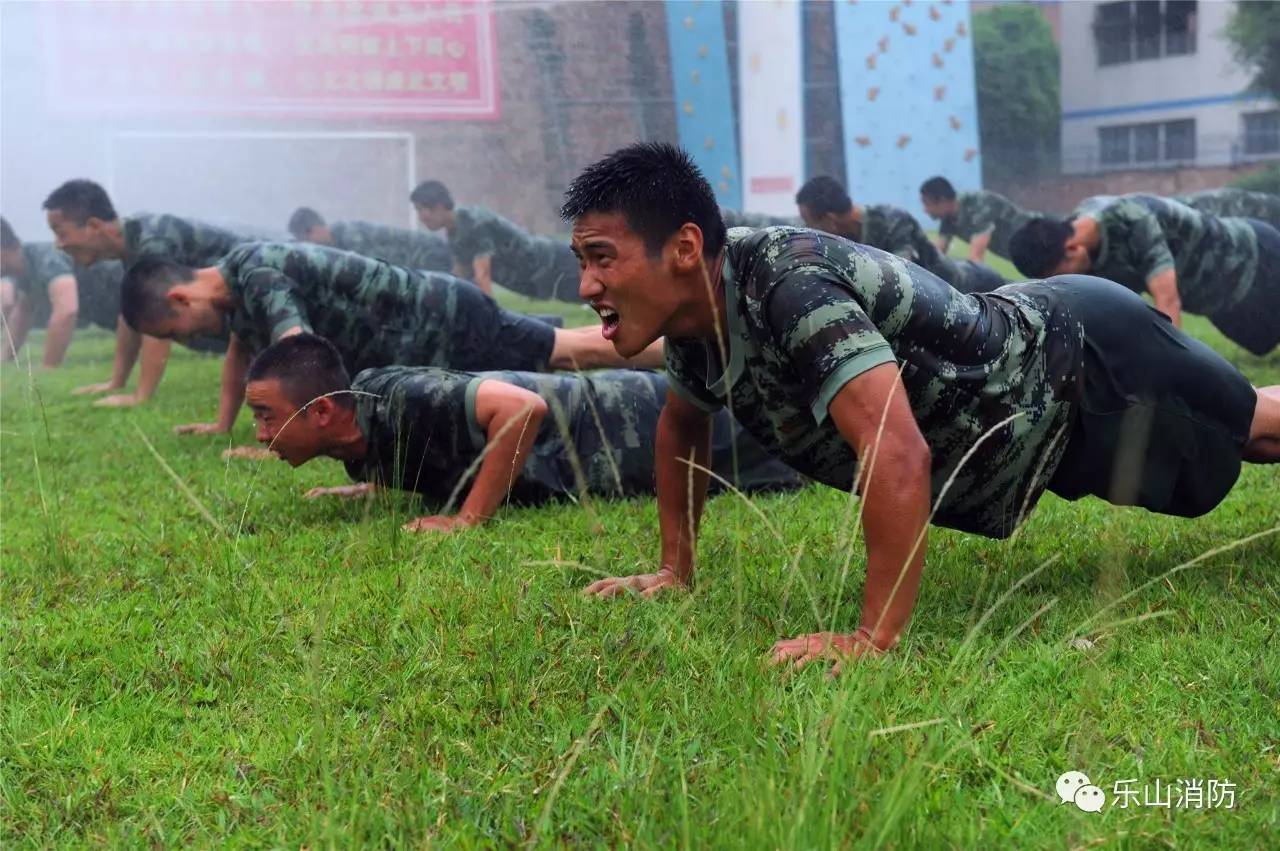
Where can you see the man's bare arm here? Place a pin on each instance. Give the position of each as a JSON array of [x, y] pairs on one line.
[[684, 434], [17, 324], [128, 342], [482, 273], [234, 369], [510, 417], [978, 246], [64, 302], [1164, 289], [894, 471]]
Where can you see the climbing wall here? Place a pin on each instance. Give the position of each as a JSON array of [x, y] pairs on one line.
[[704, 101], [770, 105], [907, 98]]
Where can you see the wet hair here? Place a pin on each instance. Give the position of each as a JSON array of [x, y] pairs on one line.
[[144, 292], [303, 221], [657, 188], [81, 200], [8, 239], [431, 193], [307, 367], [824, 194], [938, 189], [1039, 246]]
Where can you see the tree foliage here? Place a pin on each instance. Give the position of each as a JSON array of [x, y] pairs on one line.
[[1254, 33], [1018, 88]]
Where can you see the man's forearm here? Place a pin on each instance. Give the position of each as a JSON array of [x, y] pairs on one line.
[[895, 514], [128, 343], [510, 440], [978, 247], [155, 356], [58, 337], [1164, 291], [682, 490], [17, 324], [234, 369]]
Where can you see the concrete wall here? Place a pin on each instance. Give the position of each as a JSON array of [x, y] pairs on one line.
[[576, 81]]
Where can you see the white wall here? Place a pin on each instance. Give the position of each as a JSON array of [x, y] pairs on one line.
[[1129, 90]]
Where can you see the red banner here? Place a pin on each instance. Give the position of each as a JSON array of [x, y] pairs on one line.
[[422, 59]]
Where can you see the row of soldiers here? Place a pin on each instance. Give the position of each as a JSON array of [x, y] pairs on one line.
[[791, 355]]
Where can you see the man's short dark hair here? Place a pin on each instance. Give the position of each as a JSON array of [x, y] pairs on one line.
[[657, 188], [824, 194], [307, 367], [8, 239], [81, 200], [938, 189], [1039, 245], [431, 193], [303, 221], [144, 292]]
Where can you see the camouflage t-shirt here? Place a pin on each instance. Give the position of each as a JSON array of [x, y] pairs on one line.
[[1142, 235], [534, 266], [808, 312], [755, 221], [421, 431], [1235, 203], [375, 313], [896, 231], [99, 289], [398, 246], [42, 265], [187, 241], [985, 212]]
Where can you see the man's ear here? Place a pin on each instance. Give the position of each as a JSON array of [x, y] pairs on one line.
[[687, 247], [323, 410], [178, 297]]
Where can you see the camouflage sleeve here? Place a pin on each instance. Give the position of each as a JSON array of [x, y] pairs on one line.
[[470, 240], [1145, 238], [154, 246], [900, 240], [53, 264], [827, 334], [981, 218], [271, 302], [684, 381]]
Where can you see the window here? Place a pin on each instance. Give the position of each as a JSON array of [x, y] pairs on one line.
[[1114, 143], [1146, 143], [1180, 140], [1151, 144], [1262, 132], [1144, 29], [1179, 27], [1113, 30]]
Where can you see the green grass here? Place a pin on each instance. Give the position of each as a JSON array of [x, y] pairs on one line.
[[289, 673]]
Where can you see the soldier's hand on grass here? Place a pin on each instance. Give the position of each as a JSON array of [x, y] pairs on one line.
[[439, 523], [120, 400], [89, 389], [647, 584], [199, 428], [249, 453], [343, 491], [840, 647]]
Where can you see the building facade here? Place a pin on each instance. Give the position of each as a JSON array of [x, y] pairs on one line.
[[1153, 85]]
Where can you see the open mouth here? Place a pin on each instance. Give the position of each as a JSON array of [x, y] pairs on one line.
[[608, 321]]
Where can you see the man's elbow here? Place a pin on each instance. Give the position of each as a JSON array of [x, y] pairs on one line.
[[64, 315], [908, 456]]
